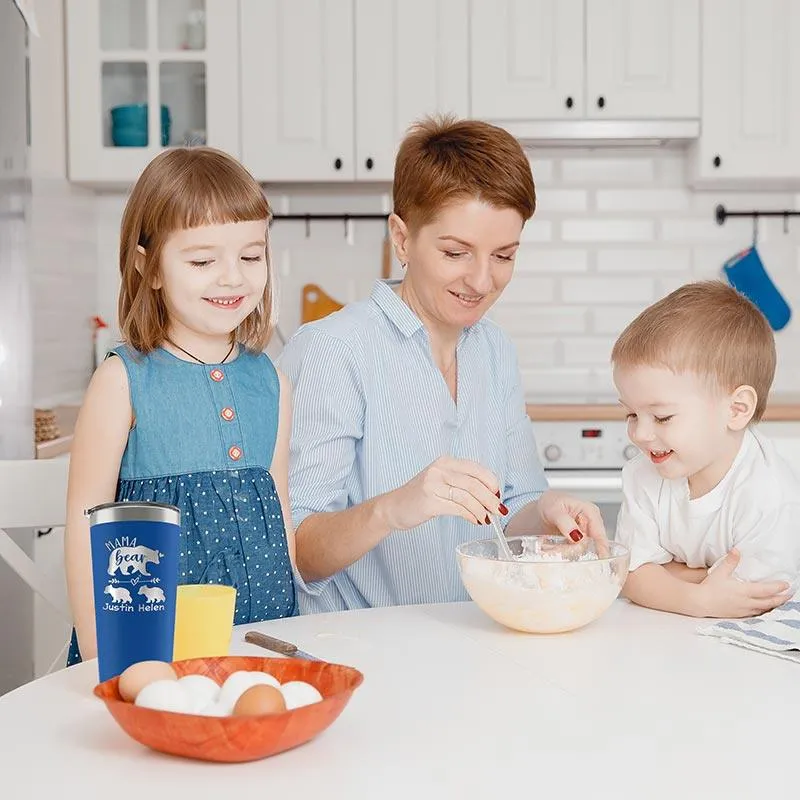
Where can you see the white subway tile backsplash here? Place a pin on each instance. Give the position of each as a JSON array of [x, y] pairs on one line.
[[608, 230], [608, 170], [528, 289], [700, 231], [519, 321], [587, 351], [614, 231], [537, 351], [561, 200], [542, 169], [644, 200], [613, 319], [557, 262], [607, 290], [644, 260], [537, 230]]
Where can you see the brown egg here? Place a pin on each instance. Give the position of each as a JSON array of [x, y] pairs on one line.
[[139, 675], [259, 699]]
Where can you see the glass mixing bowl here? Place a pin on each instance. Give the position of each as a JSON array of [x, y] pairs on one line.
[[551, 586]]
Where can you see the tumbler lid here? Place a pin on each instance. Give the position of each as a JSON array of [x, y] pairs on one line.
[[134, 511]]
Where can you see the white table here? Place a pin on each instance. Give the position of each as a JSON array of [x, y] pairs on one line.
[[636, 705]]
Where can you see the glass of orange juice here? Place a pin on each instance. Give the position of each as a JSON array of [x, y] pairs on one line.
[[203, 620]]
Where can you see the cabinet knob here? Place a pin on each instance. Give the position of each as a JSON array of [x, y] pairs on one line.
[[369, 163], [569, 103], [338, 163], [717, 161], [601, 102]]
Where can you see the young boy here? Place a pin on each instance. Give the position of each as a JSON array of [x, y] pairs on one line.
[[710, 511]]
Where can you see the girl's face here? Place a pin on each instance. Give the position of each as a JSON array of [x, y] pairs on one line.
[[459, 264], [213, 277]]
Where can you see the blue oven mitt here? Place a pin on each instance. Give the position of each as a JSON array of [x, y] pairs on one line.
[[746, 273]]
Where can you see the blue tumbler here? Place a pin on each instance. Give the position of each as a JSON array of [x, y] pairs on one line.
[[135, 548]]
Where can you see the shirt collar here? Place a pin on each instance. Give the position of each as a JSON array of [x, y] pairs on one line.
[[396, 311]]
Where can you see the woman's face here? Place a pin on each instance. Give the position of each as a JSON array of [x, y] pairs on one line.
[[458, 265]]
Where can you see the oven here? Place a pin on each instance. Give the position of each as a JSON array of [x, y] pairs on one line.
[[584, 458]]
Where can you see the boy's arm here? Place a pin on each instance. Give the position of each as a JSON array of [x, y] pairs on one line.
[[655, 586], [679, 570], [720, 595]]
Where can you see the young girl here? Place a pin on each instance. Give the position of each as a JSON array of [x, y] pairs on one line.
[[190, 411]]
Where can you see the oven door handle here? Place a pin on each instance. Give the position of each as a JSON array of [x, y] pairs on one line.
[[585, 482]]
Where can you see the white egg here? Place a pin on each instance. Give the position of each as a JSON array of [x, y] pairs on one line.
[[299, 693], [166, 695], [213, 709], [202, 689], [239, 682]]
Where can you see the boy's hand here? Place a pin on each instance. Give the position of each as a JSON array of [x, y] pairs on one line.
[[723, 595]]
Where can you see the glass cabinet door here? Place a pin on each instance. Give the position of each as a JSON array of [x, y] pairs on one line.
[[143, 75]]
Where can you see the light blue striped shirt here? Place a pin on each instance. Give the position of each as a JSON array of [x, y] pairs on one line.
[[371, 410]]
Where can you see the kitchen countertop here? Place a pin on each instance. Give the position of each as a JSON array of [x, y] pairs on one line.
[[780, 408]]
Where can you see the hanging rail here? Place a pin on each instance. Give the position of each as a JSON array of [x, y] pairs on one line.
[[721, 214]]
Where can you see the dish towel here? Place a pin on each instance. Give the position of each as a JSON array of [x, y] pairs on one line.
[[776, 633]]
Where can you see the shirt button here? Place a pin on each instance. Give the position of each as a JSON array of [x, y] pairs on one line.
[[217, 375], [227, 413], [235, 452]]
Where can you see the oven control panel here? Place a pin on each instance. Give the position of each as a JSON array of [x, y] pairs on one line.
[[583, 445]]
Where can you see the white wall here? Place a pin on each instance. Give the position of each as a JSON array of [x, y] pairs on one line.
[[614, 231], [62, 230]]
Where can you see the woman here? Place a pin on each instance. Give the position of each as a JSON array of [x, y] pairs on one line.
[[409, 416]]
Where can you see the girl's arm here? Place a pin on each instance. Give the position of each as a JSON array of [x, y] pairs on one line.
[[280, 459], [101, 434]]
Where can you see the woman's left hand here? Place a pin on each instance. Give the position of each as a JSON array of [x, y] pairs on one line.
[[570, 517]]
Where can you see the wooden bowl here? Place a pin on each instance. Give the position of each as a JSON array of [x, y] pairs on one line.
[[234, 739]]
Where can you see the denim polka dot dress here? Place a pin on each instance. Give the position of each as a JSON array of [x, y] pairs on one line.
[[203, 441]]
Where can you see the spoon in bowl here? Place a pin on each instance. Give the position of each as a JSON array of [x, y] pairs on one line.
[[505, 550]]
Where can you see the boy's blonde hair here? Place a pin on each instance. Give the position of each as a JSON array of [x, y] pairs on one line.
[[443, 160], [709, 329], [185, 188]]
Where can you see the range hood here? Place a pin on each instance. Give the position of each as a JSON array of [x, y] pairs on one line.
[[603, 133]]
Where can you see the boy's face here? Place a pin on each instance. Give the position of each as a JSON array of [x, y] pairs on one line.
[[680, 423]]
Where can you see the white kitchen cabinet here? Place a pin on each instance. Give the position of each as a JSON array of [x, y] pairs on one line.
[[751, 84], [330, 86], [585, 59], [297, 88], [527, 59], [643, 59], [127, 58], [412, 59]]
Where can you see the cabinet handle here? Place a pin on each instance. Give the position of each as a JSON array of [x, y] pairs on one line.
[[569, 102], [717, 161], [337, 164], [369, 163], [601, 102]]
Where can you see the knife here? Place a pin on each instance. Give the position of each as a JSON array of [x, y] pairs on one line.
[[278, 645]]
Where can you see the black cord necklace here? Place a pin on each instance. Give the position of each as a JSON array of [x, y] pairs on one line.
[[205, 363]]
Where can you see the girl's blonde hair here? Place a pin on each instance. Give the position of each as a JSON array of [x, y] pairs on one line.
[[185, 188]]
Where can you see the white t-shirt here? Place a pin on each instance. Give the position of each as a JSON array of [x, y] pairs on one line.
[[755, 507]]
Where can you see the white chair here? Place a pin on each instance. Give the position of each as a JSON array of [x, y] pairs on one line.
[[33, 494]]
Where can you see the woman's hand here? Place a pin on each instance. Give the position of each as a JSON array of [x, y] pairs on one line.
[[447, 487], [571, 517]]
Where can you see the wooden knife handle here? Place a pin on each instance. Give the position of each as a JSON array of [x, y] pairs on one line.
[[270, 643]]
